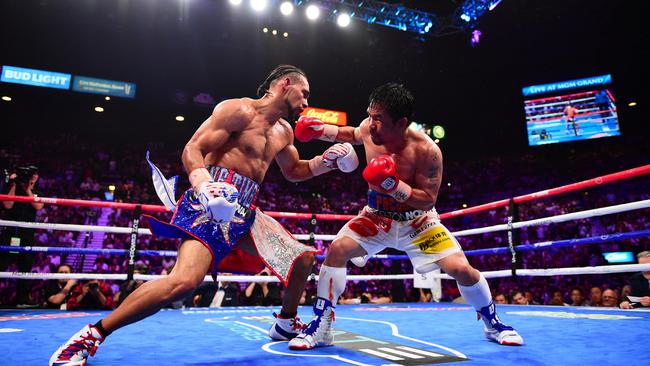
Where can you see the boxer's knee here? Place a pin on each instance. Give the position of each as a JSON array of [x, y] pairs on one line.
[[181, 287], [338, 254]]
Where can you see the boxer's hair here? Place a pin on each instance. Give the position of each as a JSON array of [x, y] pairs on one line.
[[395, 98], [282, 70]]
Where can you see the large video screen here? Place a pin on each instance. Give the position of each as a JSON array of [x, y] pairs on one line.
[[570, 110]]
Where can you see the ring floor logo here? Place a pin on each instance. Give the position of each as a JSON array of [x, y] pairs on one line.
[[385, 351]]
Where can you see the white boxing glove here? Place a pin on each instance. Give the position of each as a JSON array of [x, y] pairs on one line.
[[219, 200], [340, 156]]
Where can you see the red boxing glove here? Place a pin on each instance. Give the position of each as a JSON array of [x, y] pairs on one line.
[[308, 128], [382, 172]]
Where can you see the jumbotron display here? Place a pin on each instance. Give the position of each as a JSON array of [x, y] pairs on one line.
[[570, 110]]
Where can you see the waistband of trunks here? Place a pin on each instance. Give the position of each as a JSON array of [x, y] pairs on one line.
[[248, 188], [399, 215], [384, 202]]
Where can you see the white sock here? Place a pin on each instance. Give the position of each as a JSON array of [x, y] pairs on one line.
[[478, 295], [331, 282]]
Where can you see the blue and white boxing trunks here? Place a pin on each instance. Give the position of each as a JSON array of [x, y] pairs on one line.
[[190, 220]]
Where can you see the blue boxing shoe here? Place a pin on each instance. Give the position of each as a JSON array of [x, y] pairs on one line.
[[285, 329], [495, 330], [318, 332]]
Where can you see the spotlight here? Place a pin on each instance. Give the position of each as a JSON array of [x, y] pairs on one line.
[[464, 205], [258, 5], [343, 20], [274, 32], [312, 12], [235, 2], [111, 187], [180, 118], [448, 184], [476, 37], [437, 141], [630, 104], [6, 98], [107, 98], [99, 109], [286, 8], [265, 30], [285, 34]]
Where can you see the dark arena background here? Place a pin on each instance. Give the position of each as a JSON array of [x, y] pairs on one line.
[[538, 107]]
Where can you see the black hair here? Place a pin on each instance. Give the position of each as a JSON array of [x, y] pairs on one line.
[[278, 72], [395, 98]]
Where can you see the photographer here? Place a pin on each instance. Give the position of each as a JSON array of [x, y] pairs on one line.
[[93, 294], [21, 182]]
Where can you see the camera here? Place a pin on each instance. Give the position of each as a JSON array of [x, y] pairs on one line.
[[93, 286], [23, 174]]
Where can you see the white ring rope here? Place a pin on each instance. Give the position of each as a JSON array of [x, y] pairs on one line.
[[501, 227], [559, 218], [624, 268]]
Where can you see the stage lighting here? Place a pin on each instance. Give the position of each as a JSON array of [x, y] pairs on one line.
[[265, 30], [258, 5], [286, 8], [630, 104], [476, 37], [343, 20], [180, 118], [274, 32], [235, 2], [285, 34], [313, 12], [99, 109], [438, 132], [6, 98], [107, 98]]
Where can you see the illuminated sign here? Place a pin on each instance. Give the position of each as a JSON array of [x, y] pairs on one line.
[[330, 117], [570, 84], [105, 87], [46, 79]]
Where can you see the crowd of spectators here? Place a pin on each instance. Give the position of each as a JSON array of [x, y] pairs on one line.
[[72, 168]]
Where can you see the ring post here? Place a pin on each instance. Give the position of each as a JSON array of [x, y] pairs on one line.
[[134, 241], [513, 235]]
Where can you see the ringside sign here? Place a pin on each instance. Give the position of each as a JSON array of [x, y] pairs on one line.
[[331, 117]]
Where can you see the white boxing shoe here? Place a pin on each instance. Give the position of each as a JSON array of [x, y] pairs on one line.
[[496, 331], [76, 350], [285, 329], [318, 332]]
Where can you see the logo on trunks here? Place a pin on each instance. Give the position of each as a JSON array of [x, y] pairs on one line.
[[434, 241], [422, 229]]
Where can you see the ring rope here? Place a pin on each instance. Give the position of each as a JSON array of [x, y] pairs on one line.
[[624, 268], [605, 179], [474, 252], [609, 210]]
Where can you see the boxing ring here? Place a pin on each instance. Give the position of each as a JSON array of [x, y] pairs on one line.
[[365, 334]]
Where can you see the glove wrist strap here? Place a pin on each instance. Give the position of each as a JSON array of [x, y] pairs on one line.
[[402, 193], [329, 133], [317, 167]]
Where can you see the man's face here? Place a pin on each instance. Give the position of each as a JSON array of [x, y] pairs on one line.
[[500, 299], [519, 299], [576, 297], [645, 260], [610, 298], [63, 269], [596, 295], [296, 95], [382, 126]]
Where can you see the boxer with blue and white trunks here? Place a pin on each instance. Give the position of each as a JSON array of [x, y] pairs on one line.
[[226, 161]]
